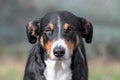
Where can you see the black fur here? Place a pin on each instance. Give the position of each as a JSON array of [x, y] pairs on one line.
[[35, 64]]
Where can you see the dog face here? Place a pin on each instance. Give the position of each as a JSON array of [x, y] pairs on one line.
[[59, 33]]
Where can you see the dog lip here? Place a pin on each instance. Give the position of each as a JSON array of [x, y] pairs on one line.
[[58, 59]]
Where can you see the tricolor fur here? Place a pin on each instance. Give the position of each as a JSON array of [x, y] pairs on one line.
[[58, 53]]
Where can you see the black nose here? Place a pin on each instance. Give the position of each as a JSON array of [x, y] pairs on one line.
[[59, 51]]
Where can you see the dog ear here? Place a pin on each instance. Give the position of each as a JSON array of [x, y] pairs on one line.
[[32, 30], [86, 29]]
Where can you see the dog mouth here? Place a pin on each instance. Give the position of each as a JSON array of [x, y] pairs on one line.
[[59, 58]]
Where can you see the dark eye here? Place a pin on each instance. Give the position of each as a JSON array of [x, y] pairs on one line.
[[69, 29], [48, 31]]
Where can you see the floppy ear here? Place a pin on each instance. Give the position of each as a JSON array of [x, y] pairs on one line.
[[86, 29], [32, 30]]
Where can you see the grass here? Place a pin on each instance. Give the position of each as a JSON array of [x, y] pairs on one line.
[[13, 69], [104, 70]]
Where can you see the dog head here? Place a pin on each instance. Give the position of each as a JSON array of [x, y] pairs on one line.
[[59, 33]]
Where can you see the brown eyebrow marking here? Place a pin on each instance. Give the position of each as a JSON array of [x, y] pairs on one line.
[[66, 26], [51, 26]]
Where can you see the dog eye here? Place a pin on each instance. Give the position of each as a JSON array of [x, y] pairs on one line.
[[48, 31], [69, 29]]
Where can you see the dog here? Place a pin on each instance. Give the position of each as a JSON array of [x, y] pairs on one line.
[[58, 52]]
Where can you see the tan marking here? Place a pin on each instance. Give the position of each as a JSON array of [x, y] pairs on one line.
[[87, 24], [30, 26], [66, 26], [51, 26], [41, 41], [48, 47], [71, 46], [77, 40]]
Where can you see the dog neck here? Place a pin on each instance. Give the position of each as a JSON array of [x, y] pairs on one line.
[[58, 70]]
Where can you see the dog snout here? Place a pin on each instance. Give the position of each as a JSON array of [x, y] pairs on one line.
[[59, 51]]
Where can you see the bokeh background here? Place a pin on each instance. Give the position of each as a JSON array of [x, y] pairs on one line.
[[103, 54]]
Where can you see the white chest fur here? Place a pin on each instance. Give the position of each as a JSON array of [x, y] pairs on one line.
[[58, 70]]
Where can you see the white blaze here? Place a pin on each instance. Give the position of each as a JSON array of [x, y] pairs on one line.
[[59, 27]]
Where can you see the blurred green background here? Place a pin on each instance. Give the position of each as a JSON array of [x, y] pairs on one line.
[[103, 54]]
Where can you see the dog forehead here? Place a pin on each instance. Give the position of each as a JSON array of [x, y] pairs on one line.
[[63, 16]]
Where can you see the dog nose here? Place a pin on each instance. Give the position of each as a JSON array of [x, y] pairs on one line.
[[59, 51]]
